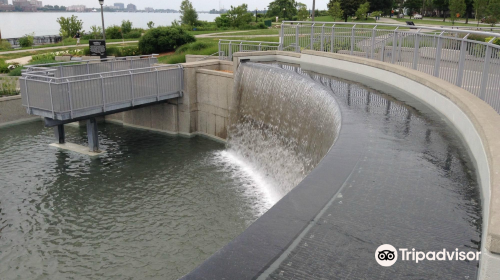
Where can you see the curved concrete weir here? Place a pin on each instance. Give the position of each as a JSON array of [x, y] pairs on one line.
[[273, 128]]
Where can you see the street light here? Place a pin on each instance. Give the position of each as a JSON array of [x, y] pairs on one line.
[[101, 2], [284, 13]]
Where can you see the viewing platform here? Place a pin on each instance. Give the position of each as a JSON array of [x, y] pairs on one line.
[[68, 92]]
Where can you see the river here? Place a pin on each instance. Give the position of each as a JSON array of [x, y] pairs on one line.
[[15, 25]]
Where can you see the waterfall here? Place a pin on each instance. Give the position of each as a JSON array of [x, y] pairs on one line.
[[281, 123]]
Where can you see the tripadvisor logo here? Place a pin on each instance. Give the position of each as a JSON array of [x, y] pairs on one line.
[[386, 255]]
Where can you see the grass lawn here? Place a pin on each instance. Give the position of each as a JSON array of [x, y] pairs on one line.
[[72, 42], [438, 22]]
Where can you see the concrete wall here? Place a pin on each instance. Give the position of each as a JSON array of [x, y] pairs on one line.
[[475, 121], [12, 111], [203, 109]]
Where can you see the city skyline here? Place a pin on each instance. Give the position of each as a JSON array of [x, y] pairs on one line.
[[199, 5]]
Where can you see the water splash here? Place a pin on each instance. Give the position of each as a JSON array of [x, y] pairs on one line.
[[282, 124]]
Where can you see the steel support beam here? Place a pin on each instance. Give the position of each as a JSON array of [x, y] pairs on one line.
[[59, 134], [92, 135]]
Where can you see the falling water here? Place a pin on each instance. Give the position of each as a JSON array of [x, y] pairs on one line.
[[282, 124]]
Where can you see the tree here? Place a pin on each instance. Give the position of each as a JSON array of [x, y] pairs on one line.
[[239, 16], [381, 5], [69, 26], [493, 12], [95, 31], [442, 5], [302, 13], [376, 14], [480, 6], [223, 21], [457, 9], [126, 26], [413, 6], [469, 6], [349, 7], [189, 15], [151, 24], [282, 8], [362, 10], [334, 9]]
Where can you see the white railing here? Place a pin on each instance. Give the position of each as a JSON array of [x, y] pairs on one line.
[[69, 97], [442, 52], [228, 47]]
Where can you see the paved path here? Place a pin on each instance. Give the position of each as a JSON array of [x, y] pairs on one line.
[[22, 60], [60, 47]]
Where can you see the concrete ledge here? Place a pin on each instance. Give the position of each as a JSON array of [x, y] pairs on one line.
[[215, 73], [12, 111], [76, 148]]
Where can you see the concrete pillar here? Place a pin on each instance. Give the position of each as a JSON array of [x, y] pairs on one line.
[[59, 134], [92, 135]]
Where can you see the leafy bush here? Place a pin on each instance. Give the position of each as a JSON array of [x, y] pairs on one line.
[[113, 32], [496, 41], [261, 25], [69, 41], [5, 45], [133, 35], [52, 55], [8, 86], [18, 70], [26, 41], [3, 67], [164, 39], [130, 51]]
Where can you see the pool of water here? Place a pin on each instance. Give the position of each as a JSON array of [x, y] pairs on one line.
[[152, 206]]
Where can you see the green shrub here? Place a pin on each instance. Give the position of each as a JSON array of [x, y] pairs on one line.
[[133, 35], [130, 51], [475, 37], [69, 41], [126, 26], [16, 72], [164, 39], [112, 51], [496, 41], [5, 45], [4, 67], [8, 87], [261, 25], [113, 32], [26, 41]]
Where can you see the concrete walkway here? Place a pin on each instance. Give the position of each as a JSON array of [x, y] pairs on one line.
[[21, 61]]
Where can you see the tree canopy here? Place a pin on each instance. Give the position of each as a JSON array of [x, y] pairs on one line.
[[285, 9], [457, 9], [349, 7], [69, 26], [334, 9], [189, 15]]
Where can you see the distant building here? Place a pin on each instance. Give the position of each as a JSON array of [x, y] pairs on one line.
[[76, 8], [7, 8], [131, 8], [25, 5], [120, 6], [36, 3], [149, 9], [4, 2]]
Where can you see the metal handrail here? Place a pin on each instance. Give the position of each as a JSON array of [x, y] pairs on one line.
[[488, 34], [77, 62], [275, 43], [90, 76]]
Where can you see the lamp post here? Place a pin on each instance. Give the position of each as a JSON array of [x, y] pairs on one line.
[[284, 13], [101, 2], [314, 9]]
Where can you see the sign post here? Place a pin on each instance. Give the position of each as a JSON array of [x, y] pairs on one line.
[[98, 48]]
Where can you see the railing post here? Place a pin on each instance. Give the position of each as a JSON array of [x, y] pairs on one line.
[[88, 68], [157, 86], [437, 64], [132, 88], [241, 46], [70, 99], [352, 39], [486, 70], [332, 41], [51, 100], [27, 94], [312, 36], [220, 50], [323, 38], [260, 46], [103, 94], [461, 61], [282, 35], [416, 50], [374, 33], [394, 45], [230, 53], [297, 44]]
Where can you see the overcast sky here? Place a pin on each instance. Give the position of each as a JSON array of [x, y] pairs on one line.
[[200, 5]]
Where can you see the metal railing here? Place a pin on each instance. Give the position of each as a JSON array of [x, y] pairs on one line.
[[442, 52], [83, 67], [228, 47], [73, 96]]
